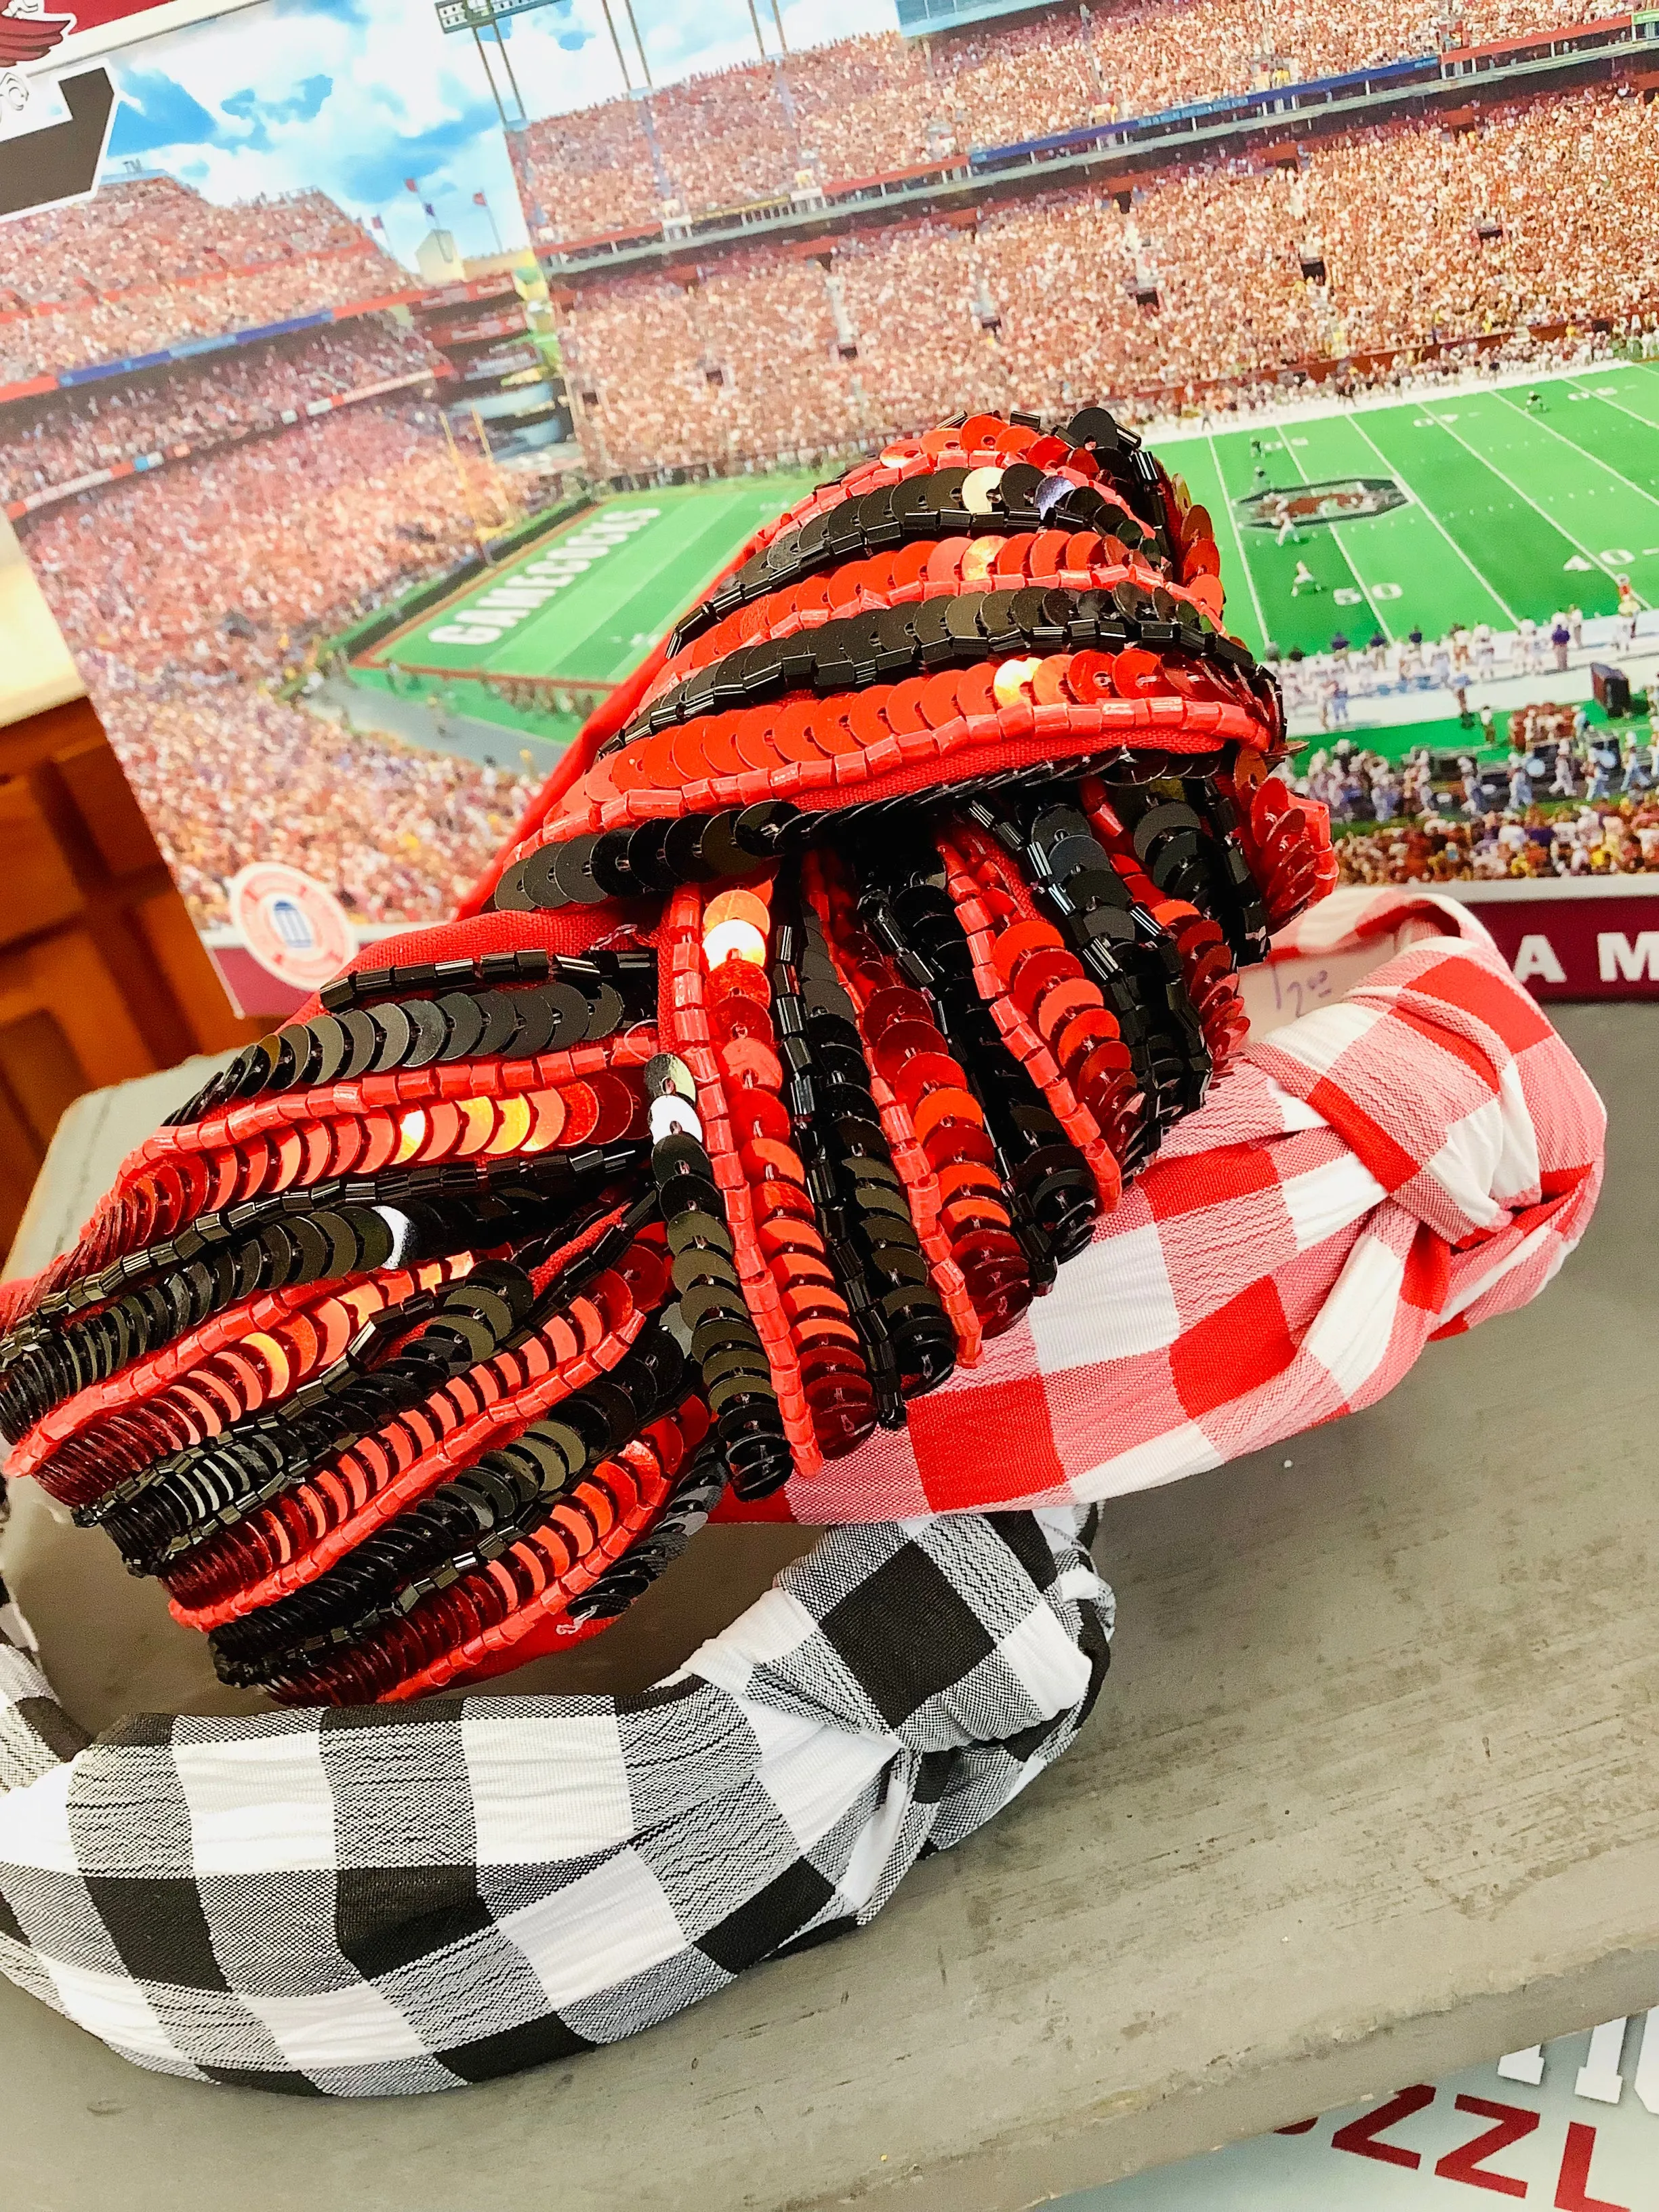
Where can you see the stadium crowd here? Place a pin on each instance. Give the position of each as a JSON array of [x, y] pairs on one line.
[[1544, 172], [1570, 799], [1619, 838], [716, 151], [867, 107], [589, 172], [229, 776], [186, 592], [69, 434], [1413, 372], [878, 106], [218, 565], [148, 262], [1036, 300], [741, 363]]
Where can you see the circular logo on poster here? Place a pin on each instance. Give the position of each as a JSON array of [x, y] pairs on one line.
[[1343, 499], [297, 930]]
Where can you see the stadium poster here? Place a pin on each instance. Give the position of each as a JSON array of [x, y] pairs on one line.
[[392, 371]]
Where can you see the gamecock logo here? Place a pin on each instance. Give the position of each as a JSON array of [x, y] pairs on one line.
[[28, 34], [1344, 499]]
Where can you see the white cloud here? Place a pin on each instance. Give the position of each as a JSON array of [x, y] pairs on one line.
[[406, 99], [681, 41]]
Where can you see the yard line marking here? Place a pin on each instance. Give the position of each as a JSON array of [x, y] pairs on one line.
[[1376, 614], [1584, 452], [1636, 415], [1647, 421], [595, 617], [1559, 528], [1395, 470], [724, 508], [1238, 543]]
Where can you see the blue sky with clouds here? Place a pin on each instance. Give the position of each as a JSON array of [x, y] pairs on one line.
[[350, 97]]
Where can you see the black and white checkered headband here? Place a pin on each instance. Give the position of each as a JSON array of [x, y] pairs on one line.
[[249, 1901]]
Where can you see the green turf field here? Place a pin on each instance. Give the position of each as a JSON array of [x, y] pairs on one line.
[[583, 604], [1510, 512]]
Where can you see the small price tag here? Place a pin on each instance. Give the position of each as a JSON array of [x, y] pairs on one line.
[[1284, 989]]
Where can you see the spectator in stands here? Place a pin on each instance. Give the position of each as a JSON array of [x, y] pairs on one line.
[[762, 355], [66, 435], [148, 262], [186, 592]]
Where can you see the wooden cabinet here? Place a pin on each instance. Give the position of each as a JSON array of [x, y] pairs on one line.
[[102, 975]]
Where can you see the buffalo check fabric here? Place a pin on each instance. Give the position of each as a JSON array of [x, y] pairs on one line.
[[1357, 917], [1403, 1162], [396, 1899], [381, 1900]]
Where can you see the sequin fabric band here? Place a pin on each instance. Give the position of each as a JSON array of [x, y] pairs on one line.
[[859, 970]]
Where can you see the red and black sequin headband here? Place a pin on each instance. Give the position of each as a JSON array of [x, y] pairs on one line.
[[833, 996]]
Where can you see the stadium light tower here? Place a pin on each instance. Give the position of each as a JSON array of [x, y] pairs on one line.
[[483, 63], [507, 63], [481, 15], [645, 66], [622, 61]]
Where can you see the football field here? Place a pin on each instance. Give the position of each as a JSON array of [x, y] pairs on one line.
[[1508, 511], [583, 605], [1490, 510]]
